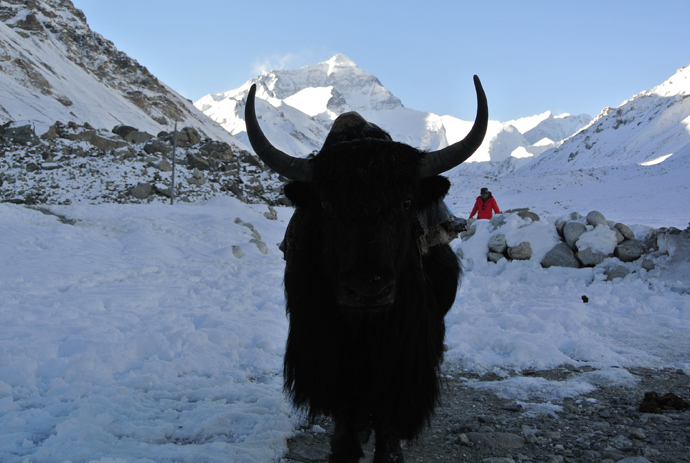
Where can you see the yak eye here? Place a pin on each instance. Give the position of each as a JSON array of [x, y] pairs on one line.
[[407, 204], [326, 206]]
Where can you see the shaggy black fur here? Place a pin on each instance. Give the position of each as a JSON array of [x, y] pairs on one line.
[[366, 365]]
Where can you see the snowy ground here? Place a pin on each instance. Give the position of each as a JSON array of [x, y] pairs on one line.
[[132, 333]]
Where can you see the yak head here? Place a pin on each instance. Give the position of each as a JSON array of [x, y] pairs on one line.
[[362, 194]]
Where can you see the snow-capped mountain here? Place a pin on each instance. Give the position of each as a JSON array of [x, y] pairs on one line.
[[299, 106], [55, 68], [649, 128]]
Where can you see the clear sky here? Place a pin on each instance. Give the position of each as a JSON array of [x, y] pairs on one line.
[[532, 56]]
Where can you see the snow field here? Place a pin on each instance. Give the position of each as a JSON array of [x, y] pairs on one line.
[[129, 336], [133, 334]]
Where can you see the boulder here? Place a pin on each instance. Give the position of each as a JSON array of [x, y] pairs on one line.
[[263, 248], [103, 141], [620, 271], [522, 251], [217, 150], [498, 244], [157, 146], [197, 162], [625, 231], [164, 165], [590, 258], [560, 223], [142, 190], [237, 252], [197, 178], [630, 250], [560, 256], [272, 214], [495, 257], [595, 218], [529, 215], [23, 134], [123, 130], [619, 236], [648, 265], [137, 137], [572, 232], [498, 220]]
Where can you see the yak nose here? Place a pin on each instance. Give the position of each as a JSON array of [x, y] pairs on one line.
[[369, 289]]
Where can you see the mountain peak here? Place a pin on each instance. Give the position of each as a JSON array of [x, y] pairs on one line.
[[339, 61]]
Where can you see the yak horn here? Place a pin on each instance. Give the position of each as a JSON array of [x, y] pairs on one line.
[[440, 161], [297, 169]]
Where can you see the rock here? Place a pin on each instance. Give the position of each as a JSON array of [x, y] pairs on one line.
[[495, 257], [197, 162], [123, 130], [32, 167], [560, 256], [590, 258], [625, 231], [617, 272], [498, 220], [560, 223], [619, 236], [23, 134], [263, 248], [498, 244], [217, 150], [572, 232], [52, 132], [142, 190], [162, 190], [137, 137], [185, 137], [164, 165], [102, 141], [648, 265], [522, 251], [630, 250], [595, 218], [197, 178], [529, 215], [156, 146], [237, 252], [271, 214]]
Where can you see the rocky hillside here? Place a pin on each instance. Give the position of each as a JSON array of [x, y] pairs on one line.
[[53, 67], [73, 163]]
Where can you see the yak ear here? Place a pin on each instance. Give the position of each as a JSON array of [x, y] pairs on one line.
[[299, 193], [433, 189]]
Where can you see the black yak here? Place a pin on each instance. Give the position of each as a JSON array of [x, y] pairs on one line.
[[366, 292]]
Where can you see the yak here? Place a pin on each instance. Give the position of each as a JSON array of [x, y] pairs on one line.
[[366, 293]]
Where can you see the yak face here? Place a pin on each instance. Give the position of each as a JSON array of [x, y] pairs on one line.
[[364, 198]]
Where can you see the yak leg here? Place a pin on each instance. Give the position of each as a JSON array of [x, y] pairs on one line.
[[387, 445], [345, 442]]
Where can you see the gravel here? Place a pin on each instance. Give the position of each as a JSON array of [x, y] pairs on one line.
[[604, 426]]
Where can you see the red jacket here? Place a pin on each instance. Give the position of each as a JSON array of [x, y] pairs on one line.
[[484, 208]]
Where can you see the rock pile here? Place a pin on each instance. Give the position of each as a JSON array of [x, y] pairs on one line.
[[78, 163], [584, 241]]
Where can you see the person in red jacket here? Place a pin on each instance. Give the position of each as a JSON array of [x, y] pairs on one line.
[[484, 205]]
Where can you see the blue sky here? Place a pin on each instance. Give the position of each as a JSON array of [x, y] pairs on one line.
[[532, 56]]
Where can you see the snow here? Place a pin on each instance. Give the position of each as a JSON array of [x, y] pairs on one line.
[[133, 333], [139, 333], [322, 91]]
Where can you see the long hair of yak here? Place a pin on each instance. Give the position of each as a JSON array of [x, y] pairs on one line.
[[386, 363]]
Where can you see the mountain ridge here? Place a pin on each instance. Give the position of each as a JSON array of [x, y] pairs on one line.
[[298, 107]]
